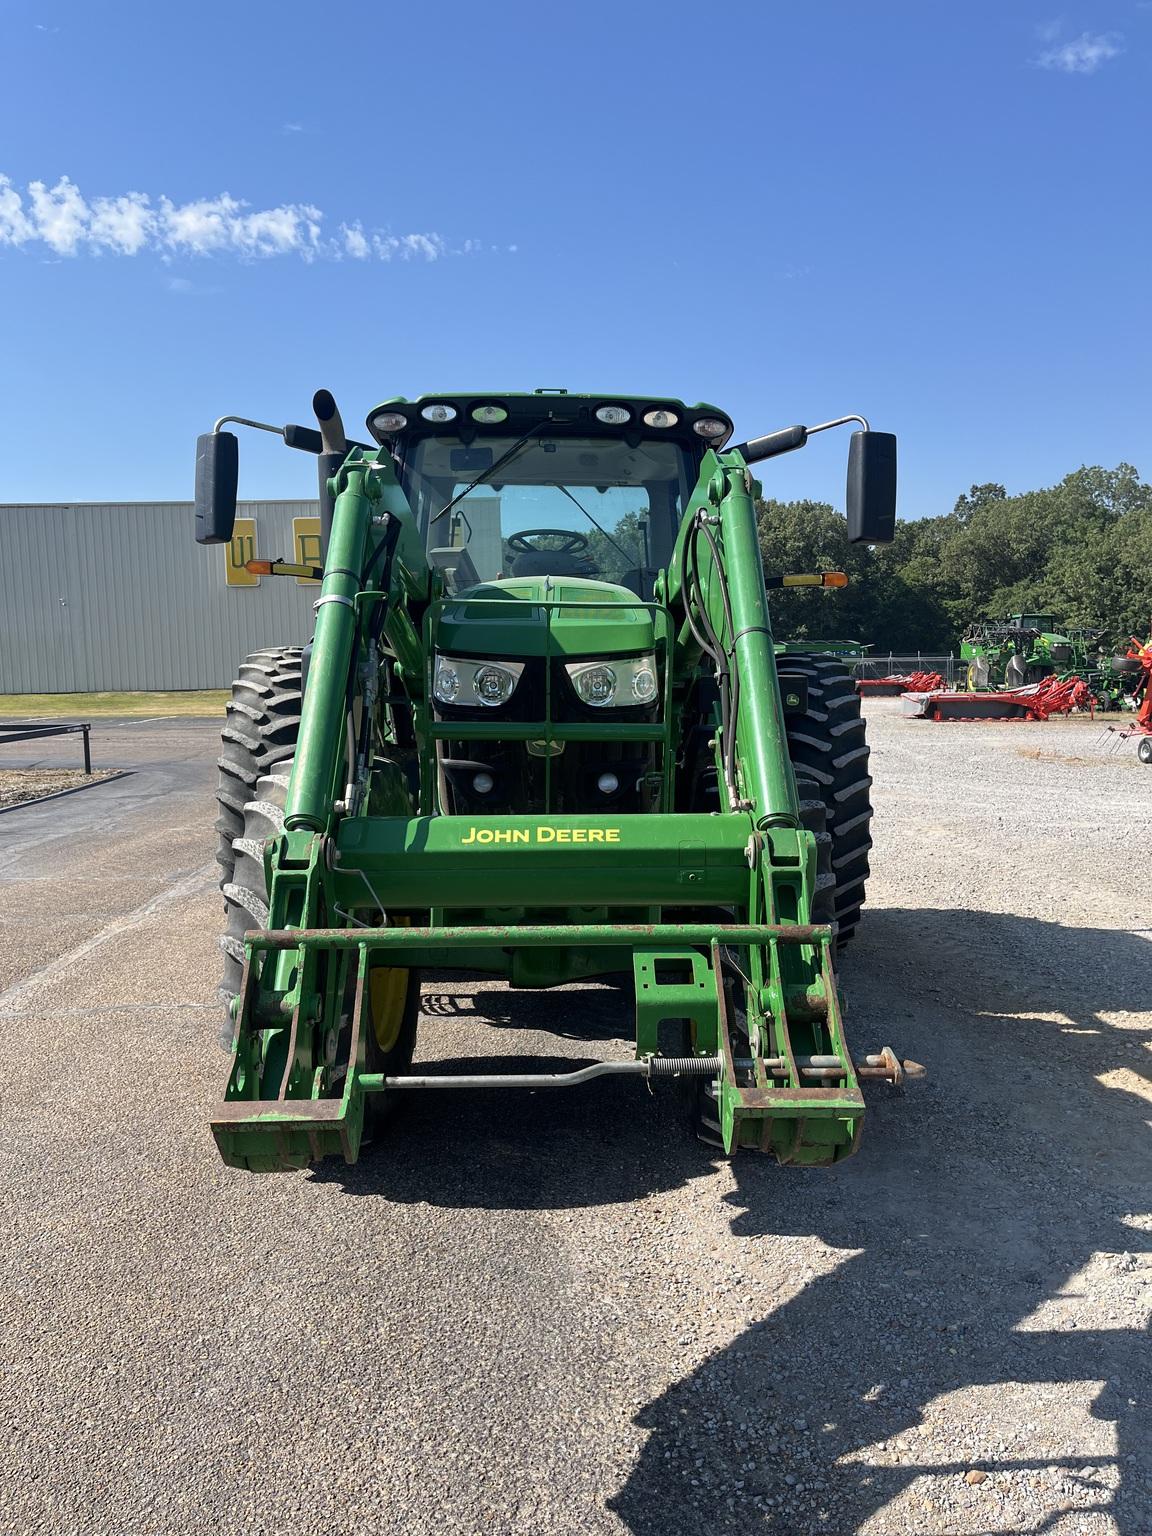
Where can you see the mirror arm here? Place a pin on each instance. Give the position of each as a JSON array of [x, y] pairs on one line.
[[242, 421], [788, 439], [841, 421]]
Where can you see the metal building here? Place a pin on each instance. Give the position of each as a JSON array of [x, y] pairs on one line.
[[118, 596]]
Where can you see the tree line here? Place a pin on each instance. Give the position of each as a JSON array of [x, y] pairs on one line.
[[1081, 550]]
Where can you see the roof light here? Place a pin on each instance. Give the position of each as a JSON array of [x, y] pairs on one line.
[[613, 415], [439, 413], [660, 418], [388, 421], [489, 415], [711, 426]]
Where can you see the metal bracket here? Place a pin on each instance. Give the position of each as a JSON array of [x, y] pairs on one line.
[[674, 984]]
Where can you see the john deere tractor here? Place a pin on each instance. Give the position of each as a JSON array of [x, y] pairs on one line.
[[1022, 649], [540, 733]]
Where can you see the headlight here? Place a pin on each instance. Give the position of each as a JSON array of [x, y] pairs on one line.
[[613, 415], [660, 418], [439, 413], [622, 684], [490, 683], [489, 415]]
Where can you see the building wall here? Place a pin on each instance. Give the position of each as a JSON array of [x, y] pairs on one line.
[[104, 596]]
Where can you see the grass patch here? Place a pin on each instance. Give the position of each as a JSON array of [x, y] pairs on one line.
[[94, 706]]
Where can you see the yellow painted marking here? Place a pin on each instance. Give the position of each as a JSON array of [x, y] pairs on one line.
[[241, 549], [306, 538]]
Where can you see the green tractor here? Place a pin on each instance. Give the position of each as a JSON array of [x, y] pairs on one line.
[[1027, 647], [1021, 649], [540, 733]]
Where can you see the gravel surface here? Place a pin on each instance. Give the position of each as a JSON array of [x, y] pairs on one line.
[[20, 784], [558, 1314]]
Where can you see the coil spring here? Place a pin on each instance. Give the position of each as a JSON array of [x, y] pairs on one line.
[[683, 1066]]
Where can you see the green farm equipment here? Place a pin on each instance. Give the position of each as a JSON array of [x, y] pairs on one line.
[[540, 733], [1021, 649], [1028, 647]]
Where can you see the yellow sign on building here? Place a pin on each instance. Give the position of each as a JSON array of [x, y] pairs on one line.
[[238, 551], [306, 538]]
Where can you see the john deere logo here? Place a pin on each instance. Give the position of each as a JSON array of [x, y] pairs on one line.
[[540, 835]]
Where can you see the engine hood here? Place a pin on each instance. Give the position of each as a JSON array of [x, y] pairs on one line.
[[512, 618]]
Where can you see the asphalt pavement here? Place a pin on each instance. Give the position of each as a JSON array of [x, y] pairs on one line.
[[559, 1313]]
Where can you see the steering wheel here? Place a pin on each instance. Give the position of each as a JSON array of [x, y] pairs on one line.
[[571, 545]]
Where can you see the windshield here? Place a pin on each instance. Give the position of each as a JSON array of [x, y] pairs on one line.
[[559, 506]]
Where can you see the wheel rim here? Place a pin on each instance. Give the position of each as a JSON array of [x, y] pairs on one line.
[[387, 995]]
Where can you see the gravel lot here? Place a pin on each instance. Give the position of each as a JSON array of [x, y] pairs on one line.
[[558, 1314], [20, 784]]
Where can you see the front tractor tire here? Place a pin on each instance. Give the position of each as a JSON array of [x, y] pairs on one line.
[[263, 723], [270, 734], [829, 752]]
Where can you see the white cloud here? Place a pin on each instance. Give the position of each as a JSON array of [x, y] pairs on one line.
[[356, 241], [406, 247], [15, 226], [59, 215], [1083, 55], [63, 220], [124, 224]]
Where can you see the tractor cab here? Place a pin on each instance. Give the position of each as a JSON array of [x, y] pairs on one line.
[[548, 485]]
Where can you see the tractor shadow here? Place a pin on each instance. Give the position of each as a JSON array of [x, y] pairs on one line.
[[612, 1141], [978, 1196], [607, 1142]]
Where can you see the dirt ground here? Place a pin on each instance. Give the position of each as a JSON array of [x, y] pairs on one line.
[[559, 1314]]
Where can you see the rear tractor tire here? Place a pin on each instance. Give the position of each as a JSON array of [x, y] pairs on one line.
[[829, 751]]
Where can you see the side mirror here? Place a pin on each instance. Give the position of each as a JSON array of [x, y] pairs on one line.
[[217, 475], [871, 498]]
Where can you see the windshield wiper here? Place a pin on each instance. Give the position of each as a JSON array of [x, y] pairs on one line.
[[563, 489], [486, 474]]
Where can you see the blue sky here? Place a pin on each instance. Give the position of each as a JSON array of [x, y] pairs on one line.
[[935, 215]]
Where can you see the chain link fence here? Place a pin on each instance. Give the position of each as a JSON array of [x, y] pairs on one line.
[[950, 667]]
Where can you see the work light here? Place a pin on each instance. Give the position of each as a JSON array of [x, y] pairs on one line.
[[710, 426], [389, 421]]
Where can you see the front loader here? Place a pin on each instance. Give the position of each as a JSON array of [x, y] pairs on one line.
[[541, 732]]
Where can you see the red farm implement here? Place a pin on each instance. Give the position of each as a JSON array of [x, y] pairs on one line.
[[898, 683], [1141, 727], [1051, 696]]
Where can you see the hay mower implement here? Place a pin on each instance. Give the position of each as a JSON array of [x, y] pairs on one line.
[[1037, 701], [897, 683], [540, 732]]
